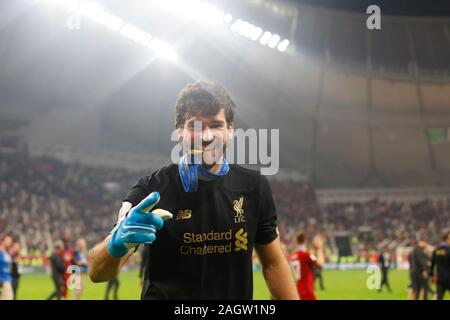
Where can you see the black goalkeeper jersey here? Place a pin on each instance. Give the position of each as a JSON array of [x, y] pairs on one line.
[[205, 251], [441, 260]]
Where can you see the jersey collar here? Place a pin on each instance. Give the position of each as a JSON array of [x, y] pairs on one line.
[[190, 170]]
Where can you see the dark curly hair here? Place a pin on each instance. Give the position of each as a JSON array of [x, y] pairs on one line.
[[301, 238], [204, 98], [445, 235]]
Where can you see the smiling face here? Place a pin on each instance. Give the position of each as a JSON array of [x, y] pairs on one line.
[[204, 120], [206, 136]]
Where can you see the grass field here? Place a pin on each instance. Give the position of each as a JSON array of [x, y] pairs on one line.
[[339, 285]]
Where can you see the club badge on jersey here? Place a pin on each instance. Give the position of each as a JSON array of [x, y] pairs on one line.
[[190, 170]]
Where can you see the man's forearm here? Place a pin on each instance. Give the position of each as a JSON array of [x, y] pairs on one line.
[[320, 257], [280, 281], [103, 266]]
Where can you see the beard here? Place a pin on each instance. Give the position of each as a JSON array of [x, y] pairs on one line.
[[208, 157], [206, 153], [212, 157]]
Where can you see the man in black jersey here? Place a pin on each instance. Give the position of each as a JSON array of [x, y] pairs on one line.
[[441, 262], [220, 213], [418, 269]]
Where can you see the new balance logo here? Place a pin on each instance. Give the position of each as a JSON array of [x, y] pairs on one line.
[[241, 240]]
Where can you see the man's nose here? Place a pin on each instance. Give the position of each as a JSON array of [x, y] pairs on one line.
[[207, 134]]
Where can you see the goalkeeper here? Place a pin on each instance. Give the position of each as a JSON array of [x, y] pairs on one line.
[[221, 213]]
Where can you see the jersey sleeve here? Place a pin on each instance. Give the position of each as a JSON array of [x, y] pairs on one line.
[[311, 259], [267, 225], [433, 263], [138, 192]]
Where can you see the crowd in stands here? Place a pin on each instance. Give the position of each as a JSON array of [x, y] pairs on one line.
[[44, 199], [297, 209], [395, 221], [368, 224]]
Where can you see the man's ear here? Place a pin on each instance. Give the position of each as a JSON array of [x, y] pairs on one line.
[[230, 131], [180, 133]]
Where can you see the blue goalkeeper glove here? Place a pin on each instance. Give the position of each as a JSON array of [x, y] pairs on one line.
[[138, 227]]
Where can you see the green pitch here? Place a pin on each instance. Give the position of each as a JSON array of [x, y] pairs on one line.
[[340, 285]]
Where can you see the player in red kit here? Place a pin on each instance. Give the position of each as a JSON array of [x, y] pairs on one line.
[[303, 263]]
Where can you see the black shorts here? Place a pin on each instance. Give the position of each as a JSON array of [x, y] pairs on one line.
[[441, 288], [418, 282]]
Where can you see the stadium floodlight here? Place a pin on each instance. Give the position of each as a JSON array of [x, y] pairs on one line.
[[202, 12], [199, 11], [246, 29], [282, 46], [114, 23], [209, 14], [256, 33], [163, 49], [227, 18], [65, 3], [94, 12], [250, 31], [273, 41], [236, 25], [264, 40], [135, 34]]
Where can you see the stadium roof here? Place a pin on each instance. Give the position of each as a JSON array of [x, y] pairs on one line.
[[397, 7], [349, 114]]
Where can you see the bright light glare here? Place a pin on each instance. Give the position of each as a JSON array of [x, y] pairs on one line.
[[256, 33], [227, 18], [236, 25], [94, 12], [265, 38], [282, 46], [274, 41], [202, 12], [163, 49], [197, 10], [135, 34]]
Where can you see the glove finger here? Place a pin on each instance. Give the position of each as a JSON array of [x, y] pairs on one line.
[[139, 237], [145, 219], [148, 203], [145, 228], [153, 219]]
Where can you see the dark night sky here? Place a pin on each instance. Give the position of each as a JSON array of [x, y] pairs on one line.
[[395, 7]]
